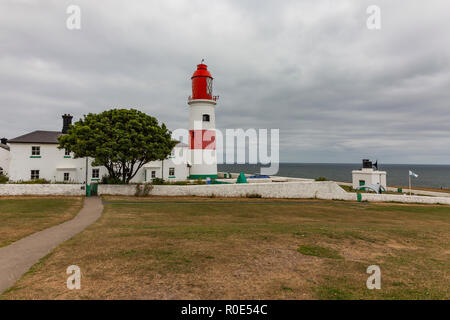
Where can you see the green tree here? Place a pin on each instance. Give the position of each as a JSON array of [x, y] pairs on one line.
[[121, 140]]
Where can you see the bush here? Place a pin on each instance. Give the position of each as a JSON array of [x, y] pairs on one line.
[[185, 182], [157, 181], [66, 182], [34, 181], [111, 180], [347, 188], [143, 190], [178, 183], [3, 178], [253, 195], [321, 179]]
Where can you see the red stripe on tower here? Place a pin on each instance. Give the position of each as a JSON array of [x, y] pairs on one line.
[[202, 139]]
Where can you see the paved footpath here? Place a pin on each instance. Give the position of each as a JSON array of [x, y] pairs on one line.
[[18, 257]]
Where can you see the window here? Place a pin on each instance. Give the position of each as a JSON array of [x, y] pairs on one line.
[[153, 174], [362, 182], [209, 86], [35, 151], [66, 152], [66, 176], [1, 170], [34, 174], [206, 117], [171, 171], [95, 173]]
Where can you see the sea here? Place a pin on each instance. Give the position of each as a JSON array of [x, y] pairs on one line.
[[430, 176]]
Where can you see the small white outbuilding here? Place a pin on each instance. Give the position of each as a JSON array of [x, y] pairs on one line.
[[368, 175]]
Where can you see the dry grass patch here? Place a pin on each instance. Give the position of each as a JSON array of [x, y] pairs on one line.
[[22, 216], [214, 248], [317, 251]]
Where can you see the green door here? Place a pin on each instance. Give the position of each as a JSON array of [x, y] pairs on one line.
[[94, 189]]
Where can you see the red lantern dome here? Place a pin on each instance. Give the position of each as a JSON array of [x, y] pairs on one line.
[[202, 84]]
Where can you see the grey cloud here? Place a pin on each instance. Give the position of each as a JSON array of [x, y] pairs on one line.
[[336, 90]]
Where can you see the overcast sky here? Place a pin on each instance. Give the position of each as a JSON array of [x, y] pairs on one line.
[[337, 91]]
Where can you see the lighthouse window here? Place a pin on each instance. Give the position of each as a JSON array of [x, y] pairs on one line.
[[206, 117], [209, 86]]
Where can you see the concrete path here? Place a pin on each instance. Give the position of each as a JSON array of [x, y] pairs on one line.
[[18, 257]]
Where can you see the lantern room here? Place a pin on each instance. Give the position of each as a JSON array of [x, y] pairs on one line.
[[202, 84]]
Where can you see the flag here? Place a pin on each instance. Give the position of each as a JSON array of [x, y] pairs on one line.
[[413, 174]]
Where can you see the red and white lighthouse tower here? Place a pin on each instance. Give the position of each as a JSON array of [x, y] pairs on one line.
[[202, 125]]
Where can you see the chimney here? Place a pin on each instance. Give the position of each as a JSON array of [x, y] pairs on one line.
[[3, 141], [67, 122]]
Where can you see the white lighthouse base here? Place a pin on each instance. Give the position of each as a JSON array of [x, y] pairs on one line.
[[204, 164]]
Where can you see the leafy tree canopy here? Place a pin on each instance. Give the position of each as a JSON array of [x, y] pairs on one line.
[[121, 140]]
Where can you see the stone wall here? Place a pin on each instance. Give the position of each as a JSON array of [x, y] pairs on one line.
[[41, 189], [323, 190], [307, 189], [404, 198]]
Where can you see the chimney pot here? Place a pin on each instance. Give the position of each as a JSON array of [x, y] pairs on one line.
[[67, 122]]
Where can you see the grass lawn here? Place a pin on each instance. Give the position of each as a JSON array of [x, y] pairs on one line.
[[22, 216], [213, 248], [423, 188]]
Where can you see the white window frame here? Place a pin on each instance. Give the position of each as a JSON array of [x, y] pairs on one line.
[[34, 174], [35, 150], [97, 173], [68, 176]]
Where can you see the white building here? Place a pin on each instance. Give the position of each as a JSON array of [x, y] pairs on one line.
[[36, 156], [367, 175], [4, 157]]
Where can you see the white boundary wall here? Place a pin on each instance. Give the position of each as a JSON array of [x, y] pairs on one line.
[[421, 192], [405, 191], [324, 190], [41, 189], [404, 198], [315, 189]]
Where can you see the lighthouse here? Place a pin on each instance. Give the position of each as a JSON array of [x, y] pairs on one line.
[[202, 125]]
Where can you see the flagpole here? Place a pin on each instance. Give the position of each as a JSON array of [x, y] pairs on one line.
[[409, 183]]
